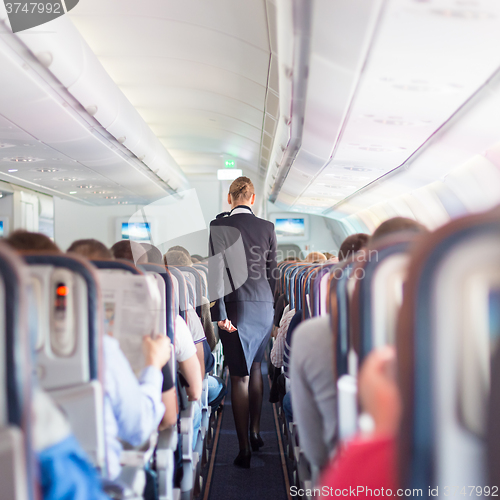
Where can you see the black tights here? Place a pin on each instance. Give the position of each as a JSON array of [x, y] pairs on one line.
[[246, 400]]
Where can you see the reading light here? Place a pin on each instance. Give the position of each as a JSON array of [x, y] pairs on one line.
[[73, 192], [13, 170], [229, 174]]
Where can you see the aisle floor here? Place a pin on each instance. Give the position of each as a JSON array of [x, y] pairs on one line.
[[264, 480]]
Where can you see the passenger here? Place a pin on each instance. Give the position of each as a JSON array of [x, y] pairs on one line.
[[285, 361], [91, 249], [396, 225], [313, 390], [197, 258], [64, 469], [129, 250], [315, 258], [132, 409], [153, 254], [25, 241], [182, 258], [279, 342], [216, 385], [370, 460], [189, 367], [178, 248], [352, 244]]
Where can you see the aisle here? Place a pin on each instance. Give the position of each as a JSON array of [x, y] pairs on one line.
[[264, 480]]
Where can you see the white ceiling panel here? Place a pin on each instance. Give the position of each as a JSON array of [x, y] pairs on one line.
[[426, 60], [196, 71]]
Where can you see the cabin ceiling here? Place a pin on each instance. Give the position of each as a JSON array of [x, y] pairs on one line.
[[195, 70], [425, 60]]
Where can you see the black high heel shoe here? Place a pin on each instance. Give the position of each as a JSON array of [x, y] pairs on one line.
[[243, 459], [256, 441]]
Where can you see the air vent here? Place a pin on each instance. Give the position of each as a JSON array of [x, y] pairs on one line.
[[67, 179], [84, 186], [358, 169], [22, 159], [47, 170], [377, 148], [336, 186], [462, 14]]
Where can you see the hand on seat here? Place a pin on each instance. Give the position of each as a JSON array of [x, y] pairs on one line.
[[157, 351], [378, 390], [227, 325]]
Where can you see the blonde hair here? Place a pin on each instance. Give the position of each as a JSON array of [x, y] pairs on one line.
[[315, 257], [241, 189]]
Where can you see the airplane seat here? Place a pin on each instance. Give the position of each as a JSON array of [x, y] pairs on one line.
[[493, 422], [194, 275], [183, 290], [168, 438], [17, 476], [68, 345], [446, 333], [345, 362]]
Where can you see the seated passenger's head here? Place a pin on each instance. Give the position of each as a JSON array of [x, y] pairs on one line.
[[197, 258], [352, 244], [154, 255], [129, 250], [315, 258], [397, 225], [241, 192], [24, 242], [90, 249], [378, 390], [178, 248], [177, 258]]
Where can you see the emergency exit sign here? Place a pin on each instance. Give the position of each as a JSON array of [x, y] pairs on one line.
[[230, 164]]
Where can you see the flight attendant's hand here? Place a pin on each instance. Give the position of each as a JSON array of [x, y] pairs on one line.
[[227, 325]]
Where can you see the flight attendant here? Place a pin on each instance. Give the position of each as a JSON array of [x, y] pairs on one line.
[[241, 275]]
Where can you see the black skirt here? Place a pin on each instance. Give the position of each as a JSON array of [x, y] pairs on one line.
[[254, 321]]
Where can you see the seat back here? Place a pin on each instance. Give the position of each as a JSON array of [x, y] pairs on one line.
[[68, 344], [168, 292], [16, 455], [444, 346], [378, 292], [183, 290]]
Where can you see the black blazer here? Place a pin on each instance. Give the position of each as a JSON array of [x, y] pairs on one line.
[[242, 264]]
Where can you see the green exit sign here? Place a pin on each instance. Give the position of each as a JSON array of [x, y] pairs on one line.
[[230, 164]]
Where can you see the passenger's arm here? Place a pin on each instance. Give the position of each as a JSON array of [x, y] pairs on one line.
[[169, 399], [137, 404], [279, 347], [191, 370], [200, 354], [378, 390]]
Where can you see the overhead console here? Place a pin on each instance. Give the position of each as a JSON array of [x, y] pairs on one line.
[[59, 97]]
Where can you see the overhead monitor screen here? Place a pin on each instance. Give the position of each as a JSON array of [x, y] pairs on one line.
[[1, 229], [136, 231], [293, 227]]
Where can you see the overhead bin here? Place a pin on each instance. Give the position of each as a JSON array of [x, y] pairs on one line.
[[67, 56]]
